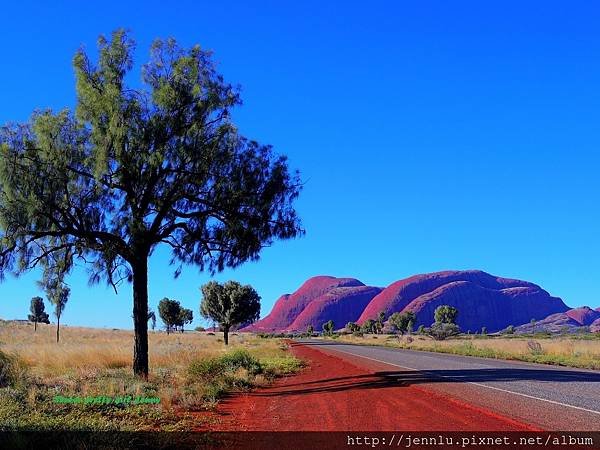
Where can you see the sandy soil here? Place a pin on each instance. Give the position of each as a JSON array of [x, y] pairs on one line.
[[334, 394]]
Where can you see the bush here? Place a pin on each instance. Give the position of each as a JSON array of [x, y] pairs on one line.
[[440, 331], [241, 359], [206, 369], [535, 348], [199, 329]]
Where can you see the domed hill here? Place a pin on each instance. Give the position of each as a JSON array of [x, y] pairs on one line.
[[570, 320], [342, 305], [482, 299], [289, 306]]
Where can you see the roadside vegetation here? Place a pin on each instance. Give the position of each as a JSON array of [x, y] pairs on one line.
[[190, 374], [581, 349], [563, 350]]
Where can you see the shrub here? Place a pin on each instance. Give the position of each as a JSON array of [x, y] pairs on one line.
[[535, 348], [241, 359], [206, 369], [440, 331]]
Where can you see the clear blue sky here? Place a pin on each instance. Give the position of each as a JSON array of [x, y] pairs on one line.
[[431, 135]]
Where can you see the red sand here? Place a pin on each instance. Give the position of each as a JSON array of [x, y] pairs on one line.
[[333, 394]]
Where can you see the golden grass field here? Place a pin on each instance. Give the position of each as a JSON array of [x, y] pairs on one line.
[[84, 349], [98, 362], [559, 350]]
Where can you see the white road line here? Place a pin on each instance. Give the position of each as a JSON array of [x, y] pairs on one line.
[[476, 384]]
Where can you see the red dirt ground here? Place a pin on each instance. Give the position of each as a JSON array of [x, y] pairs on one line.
[[333, 394]]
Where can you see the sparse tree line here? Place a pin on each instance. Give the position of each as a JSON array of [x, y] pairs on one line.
[[401, 323], [228, 305]]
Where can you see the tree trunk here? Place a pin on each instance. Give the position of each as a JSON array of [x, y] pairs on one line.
[[35, 325], [57, 329], [226, 335], [140, 317]]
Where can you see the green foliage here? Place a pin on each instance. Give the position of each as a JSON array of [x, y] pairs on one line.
[[169, 312], [446, 314], [185, 316], [402, 321], [138, 167], [38, 311], [229, 304], [310, 330], [421, 329], [328, 328], [441, 330], [199, 329], [352, 327], [369, 326], [236, 369]]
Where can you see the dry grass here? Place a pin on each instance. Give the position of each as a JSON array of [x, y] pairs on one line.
[[559, 350], [98, 362], [86, 349]]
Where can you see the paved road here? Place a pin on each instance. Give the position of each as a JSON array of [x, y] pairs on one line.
[[546, 396]]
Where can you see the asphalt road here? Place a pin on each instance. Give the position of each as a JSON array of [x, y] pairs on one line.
[[549, 397]]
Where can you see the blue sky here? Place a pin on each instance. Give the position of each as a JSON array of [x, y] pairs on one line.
[[431, 135]]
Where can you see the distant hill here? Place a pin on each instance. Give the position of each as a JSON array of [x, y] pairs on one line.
[[483, 300], [570, 321]]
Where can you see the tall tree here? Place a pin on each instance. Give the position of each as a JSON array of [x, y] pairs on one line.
[[38, 312], [161, 163], [229, 304]]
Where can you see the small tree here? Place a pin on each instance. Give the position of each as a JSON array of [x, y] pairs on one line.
[[169, 312], [185, 316], [510, 329], [368, 326], [532, 322], [446, 314], [484, 331], [310, 330], [352, 327], [229, 304], [445, 323], [411, 326], [328, 328], [401, 321], [38, 312], [421, 329], [379, 322], [58, 294]]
